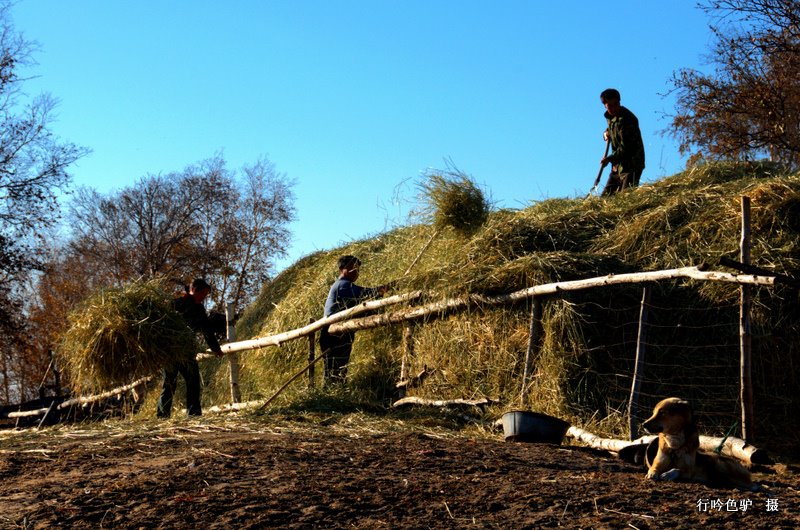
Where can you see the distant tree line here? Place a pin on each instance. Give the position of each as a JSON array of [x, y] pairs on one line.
[[33, 169], [228, 226]]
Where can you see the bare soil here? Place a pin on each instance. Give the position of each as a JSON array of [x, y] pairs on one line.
[[348, 472]]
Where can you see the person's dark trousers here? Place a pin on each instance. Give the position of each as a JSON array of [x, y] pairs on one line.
[[190, 371], [621, 181], [336, 349]]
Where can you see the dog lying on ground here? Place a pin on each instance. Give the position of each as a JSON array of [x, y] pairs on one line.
[[678, 456]]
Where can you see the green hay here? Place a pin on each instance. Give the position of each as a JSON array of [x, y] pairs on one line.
[[118, 335]]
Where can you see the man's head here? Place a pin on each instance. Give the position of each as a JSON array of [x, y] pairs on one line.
[[610, 99], [349, 267], [200, 289]]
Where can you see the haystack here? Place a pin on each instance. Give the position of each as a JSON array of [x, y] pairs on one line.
[[588, 352], [118, 335]]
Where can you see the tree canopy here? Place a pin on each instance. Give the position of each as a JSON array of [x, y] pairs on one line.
[[204, 221], [748, 106]]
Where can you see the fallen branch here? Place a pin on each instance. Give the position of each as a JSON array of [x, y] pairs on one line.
[[233, 407], [733, 447], [606, 444], [411, 401], [80, 400]]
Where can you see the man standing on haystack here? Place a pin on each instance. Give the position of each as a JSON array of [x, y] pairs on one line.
[[627, 157], [190, 305], [344, 294]]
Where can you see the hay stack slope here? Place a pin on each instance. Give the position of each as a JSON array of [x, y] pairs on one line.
[[121, 334], [584, 368]]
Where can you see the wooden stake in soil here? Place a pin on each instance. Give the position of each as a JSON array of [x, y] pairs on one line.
[[745, 340], [233, 358], [534, 346], [408, 352], [287, 383], [311, 354], [633, 404]]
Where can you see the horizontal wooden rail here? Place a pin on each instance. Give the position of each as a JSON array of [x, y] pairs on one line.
[[278, 339], [85, 400], [445, 306]]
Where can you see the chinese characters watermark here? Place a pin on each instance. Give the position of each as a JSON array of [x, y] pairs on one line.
[[733, 505]]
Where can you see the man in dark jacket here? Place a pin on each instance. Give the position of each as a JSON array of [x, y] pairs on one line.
[[344, 294], [627, 157], [190, 305]]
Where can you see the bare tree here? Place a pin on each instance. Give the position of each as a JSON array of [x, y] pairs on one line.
[[748, 106], [208, 221], [33, 170], [266, 209]]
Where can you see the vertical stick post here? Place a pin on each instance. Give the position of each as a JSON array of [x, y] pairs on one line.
[[56, 374], [408, 353], [233, 358], [534, 345], [311, 355], [638, 370], [745, 340]]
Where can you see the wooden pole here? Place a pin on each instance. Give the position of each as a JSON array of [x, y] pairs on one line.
[[280, 338], [731, 446], [79, 400], [458, 304], [534, 346], [745, 340], [641, 350], [311, 354], [56, 374], [408, 353], [295, 376], [337, 325], [233, 358]]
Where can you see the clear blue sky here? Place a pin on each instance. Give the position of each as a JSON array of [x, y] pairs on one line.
[[356, 99]]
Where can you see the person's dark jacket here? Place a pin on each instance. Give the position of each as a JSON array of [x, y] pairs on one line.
[[197, 319], [626, 140]]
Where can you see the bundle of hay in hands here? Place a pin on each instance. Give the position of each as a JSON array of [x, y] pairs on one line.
[[118, 335]]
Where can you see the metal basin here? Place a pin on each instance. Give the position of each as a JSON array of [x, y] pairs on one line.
[[534, 427]]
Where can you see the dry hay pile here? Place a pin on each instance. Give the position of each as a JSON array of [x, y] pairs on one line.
[[118, 335], [452, 199], [584, 367]]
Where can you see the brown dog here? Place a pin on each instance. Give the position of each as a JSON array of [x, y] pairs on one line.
[[678, 456]]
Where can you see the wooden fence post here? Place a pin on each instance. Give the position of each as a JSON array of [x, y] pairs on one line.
[[534, 345], [745, 340], [56, 374], [408, 353], [233, 358], [312, 337], [641, 350]]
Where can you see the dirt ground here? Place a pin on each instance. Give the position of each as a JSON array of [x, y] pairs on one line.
[[346, 472]]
